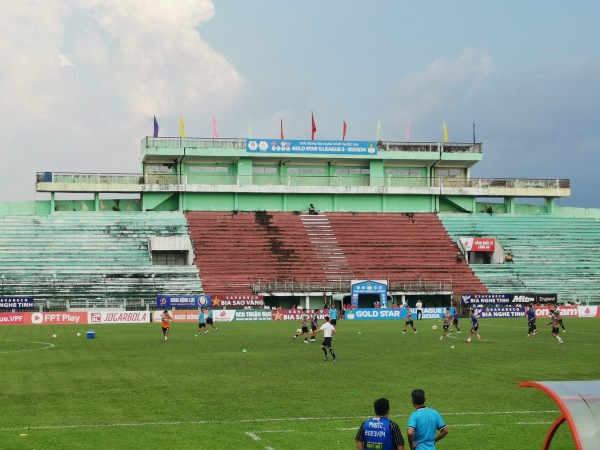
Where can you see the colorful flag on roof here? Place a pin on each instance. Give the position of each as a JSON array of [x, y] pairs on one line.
[[314, 126], [281, 136], [181, 127], [344, 128], [473, 132], [155, 127], [215, 134], [408, 132], [445, 133]]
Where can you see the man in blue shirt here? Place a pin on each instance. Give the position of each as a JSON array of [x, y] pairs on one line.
[[380, 433], [333, 315], [423, 424]]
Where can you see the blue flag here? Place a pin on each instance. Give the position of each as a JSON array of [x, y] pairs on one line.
[[155, 127]]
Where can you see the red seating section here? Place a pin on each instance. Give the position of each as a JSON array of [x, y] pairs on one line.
[[235, 250]]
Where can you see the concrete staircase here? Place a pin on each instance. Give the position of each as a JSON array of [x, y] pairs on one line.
[[328, 252]]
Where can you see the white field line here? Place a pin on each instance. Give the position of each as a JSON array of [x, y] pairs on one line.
[[47, 344], [272, 420]]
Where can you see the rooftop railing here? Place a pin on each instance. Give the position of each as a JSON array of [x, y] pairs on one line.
[[240, 144], [295, 180]]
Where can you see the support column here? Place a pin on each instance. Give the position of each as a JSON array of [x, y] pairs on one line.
[[52, 202], [96, 201], [510, 205], [550, 204]]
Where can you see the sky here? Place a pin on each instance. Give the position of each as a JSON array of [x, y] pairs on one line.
[[82, 80]]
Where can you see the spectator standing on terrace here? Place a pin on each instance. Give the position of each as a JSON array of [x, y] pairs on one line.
[[447, 317], [314, 319], [209, 319], [165, 321], [409, 320], [419, 306], [425, 425], [530, 314], [303, 328], [202, 322], [455, 318], [474, 327], [328, 332], [380, 432], [554, 321]]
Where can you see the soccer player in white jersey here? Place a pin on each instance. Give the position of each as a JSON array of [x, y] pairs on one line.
[[328, 332]]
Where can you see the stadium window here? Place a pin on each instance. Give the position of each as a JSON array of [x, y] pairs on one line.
[[355, 171], [168, 258], [160, 168], [264, 170], [209, 169], [449, 172], [311, 170]]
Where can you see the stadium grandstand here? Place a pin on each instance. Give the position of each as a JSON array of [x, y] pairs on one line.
[[230, 217]]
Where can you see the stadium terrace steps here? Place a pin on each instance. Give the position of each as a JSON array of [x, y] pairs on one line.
[[235, 250], [551, 254], [328, 252], [402, 248], [91, 256]]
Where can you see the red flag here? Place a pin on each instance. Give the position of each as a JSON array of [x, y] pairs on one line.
[[215, 134], [345, 127], [314, 126], [282, 138]]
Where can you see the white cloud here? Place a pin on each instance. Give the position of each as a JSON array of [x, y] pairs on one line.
[[83, 79], [443, 86]]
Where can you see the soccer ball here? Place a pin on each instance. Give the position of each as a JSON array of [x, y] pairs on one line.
[[434, 327], [54, 336], [78, 334], [299, 330]]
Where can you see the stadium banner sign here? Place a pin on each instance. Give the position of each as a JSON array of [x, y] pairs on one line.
[[478, 244], [56, 318], [182, 301], [499, 311], [296, 314], [178, 315], [377, 287], [16, 302], [242, 315], [565, 311], [12, 318], [500, 299], [117, 316], [237, 301], [391, 313], [311, 147], [587, 311]]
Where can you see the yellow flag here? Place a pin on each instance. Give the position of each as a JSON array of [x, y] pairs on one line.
[[445, 133], [181, 127]]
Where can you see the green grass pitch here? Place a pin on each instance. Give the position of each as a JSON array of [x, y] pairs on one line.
[[127, 389]]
